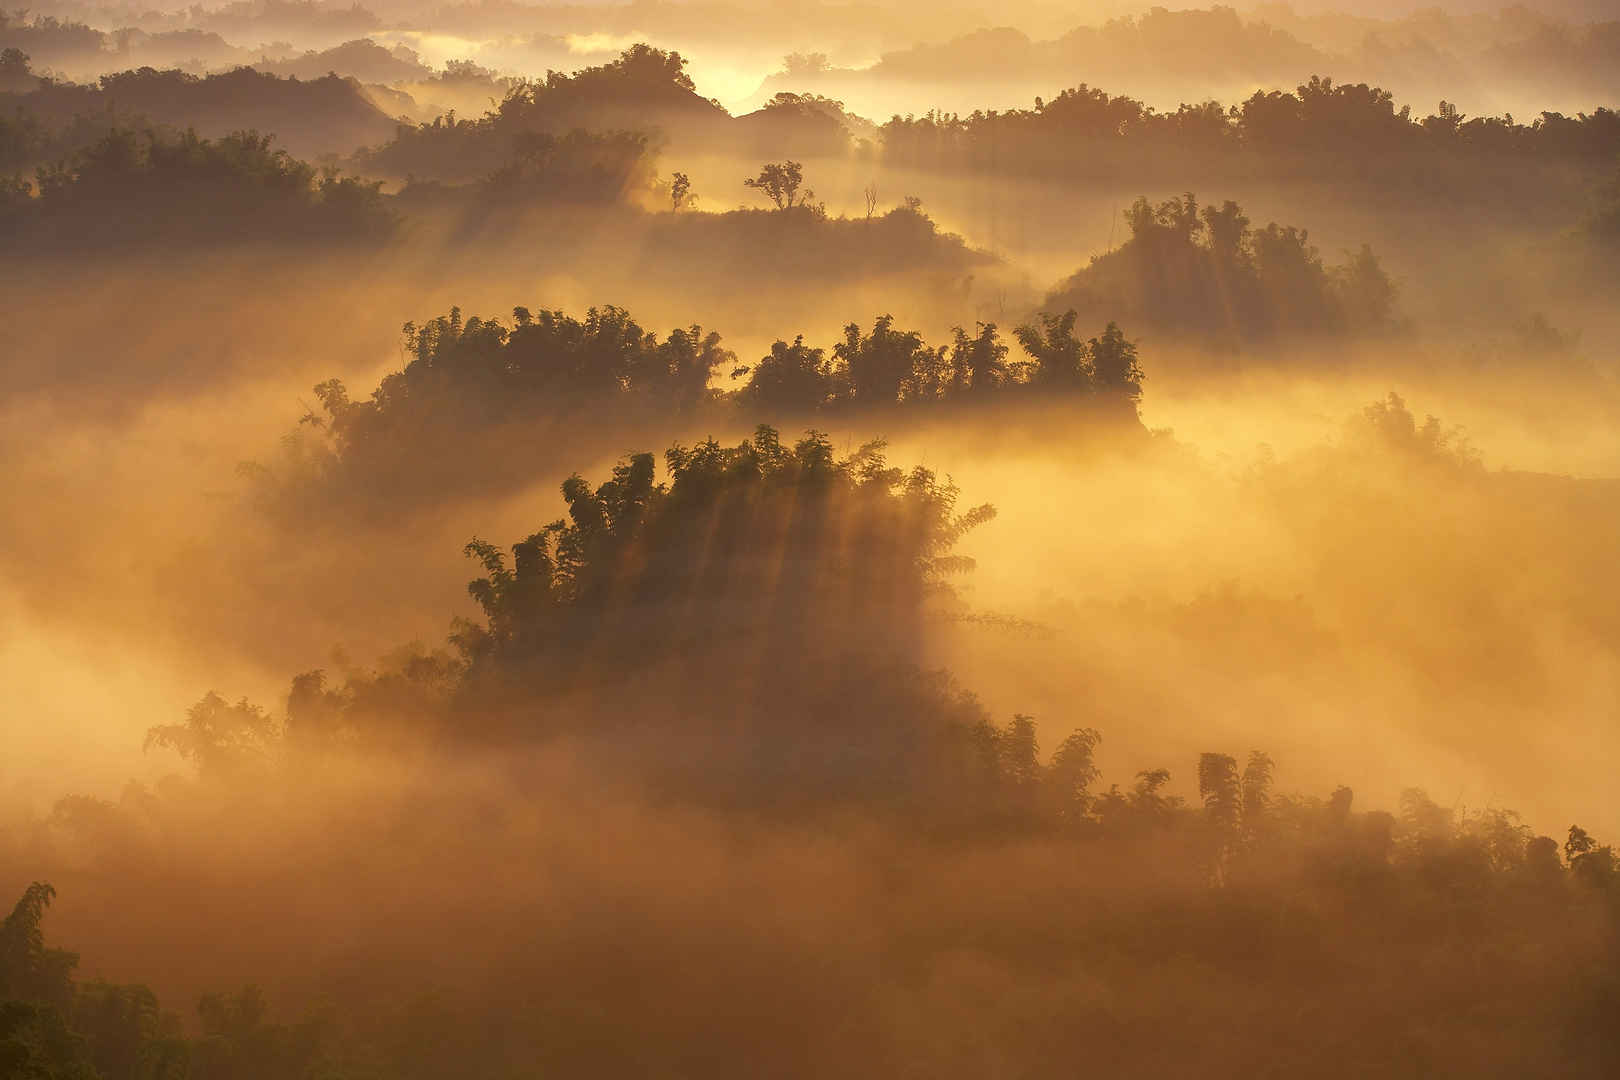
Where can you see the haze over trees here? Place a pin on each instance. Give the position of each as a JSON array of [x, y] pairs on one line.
[[634, 631], [645, 90], [1207, 272], [932, 597], [476, 378], [573, 135], [132, 186], [1496, 59], [1605, 220], [1351, 132], [323, 116]]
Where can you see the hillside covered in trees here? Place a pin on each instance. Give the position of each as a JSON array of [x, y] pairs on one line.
[[605, 133], [328, 115], [1207, 273], [637, 632], [134, 187], [1322, 126], [1353, 130], [478, 381], [1490, 59], [545, 540]]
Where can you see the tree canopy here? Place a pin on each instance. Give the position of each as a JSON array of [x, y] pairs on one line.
[[144, 185], [1204, 271]]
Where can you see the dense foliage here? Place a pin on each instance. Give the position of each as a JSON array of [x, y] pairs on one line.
[[473, 376], [736, 645], [785, 557], [1150, 933], [133, 185], [745, 534], [328, 115], [466, 375], [685, 790], [1346, 130], [1324, 126], [644, 90], [53, 1027], [1206, 273], [577, 166], [887, 365]]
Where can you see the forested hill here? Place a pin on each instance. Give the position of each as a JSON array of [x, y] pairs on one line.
[[324, 116]]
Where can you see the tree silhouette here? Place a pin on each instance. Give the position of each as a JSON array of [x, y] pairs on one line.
[[15, 74], [1061, 359], [632, 541], [790, 379], [883, 365], [779, 182], [978, 363], [1221, 789], [190, 188], [475, 379], [1072, 772], [220, 738], [1205, 271], [29, 970], [1113, 362]]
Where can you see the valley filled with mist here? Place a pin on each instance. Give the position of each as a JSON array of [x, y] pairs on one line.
[[731, 539]]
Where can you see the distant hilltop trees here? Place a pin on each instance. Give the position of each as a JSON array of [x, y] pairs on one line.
[[1206, 272], [1321, 124], [469, 379], [146, 186]]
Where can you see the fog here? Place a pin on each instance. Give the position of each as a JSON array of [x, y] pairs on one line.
[[608, 581]]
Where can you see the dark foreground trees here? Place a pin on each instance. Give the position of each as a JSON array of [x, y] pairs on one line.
[[683, 793], [1150, 935], [53, 1027]]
